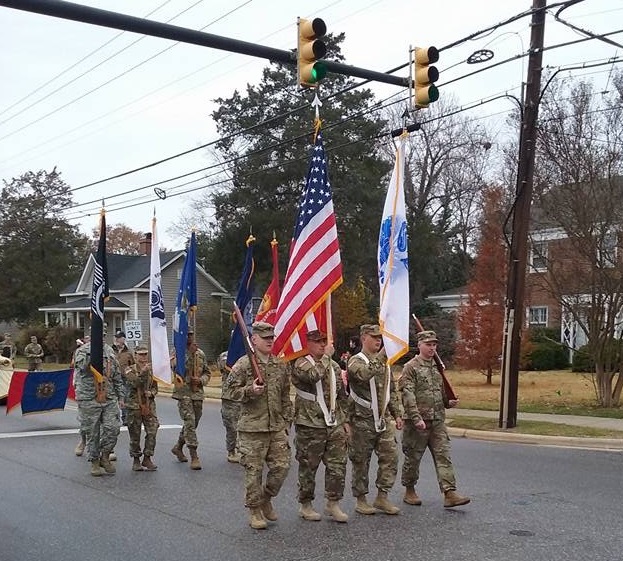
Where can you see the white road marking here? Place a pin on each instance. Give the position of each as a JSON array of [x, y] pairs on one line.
[[56, 432]]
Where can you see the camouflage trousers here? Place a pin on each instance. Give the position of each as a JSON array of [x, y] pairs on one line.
[[329, 446], [190, 412], [151, 424], [257, 449], [230, 412], [364, 441], [414, 443], [101, 423]]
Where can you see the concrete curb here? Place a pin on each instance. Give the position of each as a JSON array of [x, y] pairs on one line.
[[609, 444]]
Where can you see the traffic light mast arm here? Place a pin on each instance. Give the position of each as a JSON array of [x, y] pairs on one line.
[[114, 20]]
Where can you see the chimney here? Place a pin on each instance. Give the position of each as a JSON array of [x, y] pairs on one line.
[[144, 245]]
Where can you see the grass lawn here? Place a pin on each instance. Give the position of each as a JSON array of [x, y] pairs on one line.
[[562, 392]]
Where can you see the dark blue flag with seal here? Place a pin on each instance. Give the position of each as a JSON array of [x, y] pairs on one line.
[[185, 306], [244, 300]]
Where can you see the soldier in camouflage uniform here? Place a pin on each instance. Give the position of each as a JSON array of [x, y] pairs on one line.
[[265, 416], [99, 419], [425, 403], [126, 359], [34, 353], [141, 407], [189, 394], [7, 347], [321, 412], [376, 403], [230, 411]]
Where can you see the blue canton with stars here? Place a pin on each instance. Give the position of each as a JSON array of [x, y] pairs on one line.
[[318, 189]]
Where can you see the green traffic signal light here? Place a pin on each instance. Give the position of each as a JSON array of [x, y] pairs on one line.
[[310, 70]]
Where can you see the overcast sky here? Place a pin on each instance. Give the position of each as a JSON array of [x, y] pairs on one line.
[[162, 107]]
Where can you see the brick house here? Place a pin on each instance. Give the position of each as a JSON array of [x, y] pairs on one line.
[[128, 277]]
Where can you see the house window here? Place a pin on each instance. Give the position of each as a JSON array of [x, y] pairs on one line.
[[537, 315], [607, 250], [538, 256]]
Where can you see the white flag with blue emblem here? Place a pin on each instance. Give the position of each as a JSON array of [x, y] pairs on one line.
[[393, 262], [159, 342]]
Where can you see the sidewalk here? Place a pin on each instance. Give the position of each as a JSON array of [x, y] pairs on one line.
[[612, 444]]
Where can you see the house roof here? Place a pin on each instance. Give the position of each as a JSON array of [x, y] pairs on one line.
[[126, 272], [84, 305]]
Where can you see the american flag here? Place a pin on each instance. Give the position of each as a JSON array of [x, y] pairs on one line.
[[315, 266]]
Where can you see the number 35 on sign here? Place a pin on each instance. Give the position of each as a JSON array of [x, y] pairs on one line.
[[133, 331]]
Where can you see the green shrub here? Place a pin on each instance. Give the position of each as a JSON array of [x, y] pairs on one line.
[[546, 355], [61, 342], [582, 361]]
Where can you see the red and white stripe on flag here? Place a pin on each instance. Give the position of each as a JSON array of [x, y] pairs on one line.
[[315, 265]]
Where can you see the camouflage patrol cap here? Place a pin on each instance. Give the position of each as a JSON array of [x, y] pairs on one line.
[[316, 335], [427, 337], [368, 329], [141, 350], [263, 329]]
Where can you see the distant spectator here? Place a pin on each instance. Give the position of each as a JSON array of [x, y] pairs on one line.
[[34, 353], [7, 347]]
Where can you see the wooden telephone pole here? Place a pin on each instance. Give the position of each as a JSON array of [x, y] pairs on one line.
[[516, 285]]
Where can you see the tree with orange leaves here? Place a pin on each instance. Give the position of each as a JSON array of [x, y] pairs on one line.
[[480, 320]]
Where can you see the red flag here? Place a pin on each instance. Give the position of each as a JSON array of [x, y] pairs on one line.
[[268, 307], [315, 266]]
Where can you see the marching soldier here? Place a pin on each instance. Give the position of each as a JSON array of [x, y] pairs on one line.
[[126, 359], [99, 413], [425, 404], [321, 421], [376, 403], [265, 416], [230, 411], [141, 408], [189, 395]]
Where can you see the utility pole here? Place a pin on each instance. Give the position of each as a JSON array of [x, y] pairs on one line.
[[518, 260]]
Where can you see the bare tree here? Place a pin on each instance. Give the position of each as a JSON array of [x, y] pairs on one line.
[[580, 198]]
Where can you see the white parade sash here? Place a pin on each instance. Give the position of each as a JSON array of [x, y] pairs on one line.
[[328, 412], [379, 416]]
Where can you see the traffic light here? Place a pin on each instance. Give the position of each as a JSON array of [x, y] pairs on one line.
[[310, 49], [424, 90]]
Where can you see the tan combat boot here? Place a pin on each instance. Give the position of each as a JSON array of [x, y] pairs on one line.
[[256, 520], [383, 504], [96, 469], [79, 449], [148, 464], [178, 452], [452, 498], [112, 456], [363, 507], [136, 465], [194, 459], [105, 463], [307, 512], [233, 457], [411, 497], [268, 511], [333, 509]]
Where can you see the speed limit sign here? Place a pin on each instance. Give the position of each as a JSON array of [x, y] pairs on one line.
[[133, 331]]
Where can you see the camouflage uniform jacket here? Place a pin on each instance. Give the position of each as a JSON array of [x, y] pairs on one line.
[[140, 382], [195, 364], [33, 352], [85, 383], [423, 395], [270, 410], [226, 391], [305, 375], [125, 358], [360, 372]]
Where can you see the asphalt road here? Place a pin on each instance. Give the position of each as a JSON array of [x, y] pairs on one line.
[[528, 503]]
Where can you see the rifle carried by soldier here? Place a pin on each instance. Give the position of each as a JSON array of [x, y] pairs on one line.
[[248, 346], [440, 366]]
